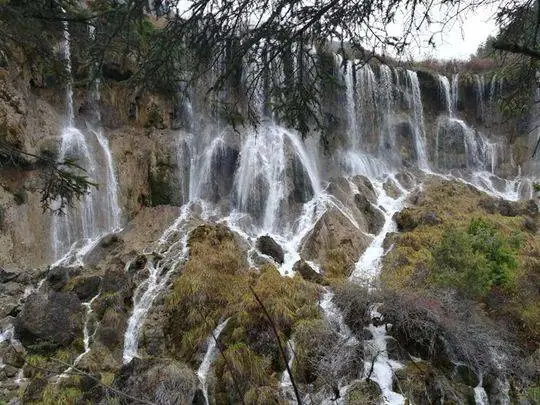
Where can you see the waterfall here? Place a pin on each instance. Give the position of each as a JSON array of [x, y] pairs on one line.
[[351, 107], [98, 211], [386, 104], [418, 121], [378, 367], [455, 92], [479, 89], [444, 88], [368, 265], [158, 276], [260, 186], [209, 358]]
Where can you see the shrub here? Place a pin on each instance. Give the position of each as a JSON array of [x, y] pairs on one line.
[[476, 259]]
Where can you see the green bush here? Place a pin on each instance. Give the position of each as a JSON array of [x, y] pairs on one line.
[[476, 259]]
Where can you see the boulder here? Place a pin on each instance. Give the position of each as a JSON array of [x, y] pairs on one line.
[[391, 188], [162, 381], [365, 188], [57, 277], [334, 242], [49, 321], [307, 272], [6, 276], [86, 287], [268, 246], [373, 216]]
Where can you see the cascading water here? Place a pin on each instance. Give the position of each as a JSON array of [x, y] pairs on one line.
[[209, 358], [273, 166], [418, 121], [455, 92], [444, 84], [351, 107], [97, 212], [174, 253]]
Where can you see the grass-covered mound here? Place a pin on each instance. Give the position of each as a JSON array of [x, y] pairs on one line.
[[458, 238], [216, 283]]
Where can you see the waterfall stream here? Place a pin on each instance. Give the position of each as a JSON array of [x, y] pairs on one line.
[[97, 212], [209, 357]]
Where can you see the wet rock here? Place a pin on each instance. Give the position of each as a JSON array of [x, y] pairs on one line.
[[405, 143], [223, 167], [334, 242], [85, 287], [199, 398], [157, 380], [451, 152], [364, 392], [6, 276], [268, 246], [307, 272], [365, 188], [406, 180], [466, 375], [57, 278], [302, 191], [49, 321], [374, 217], [139, 263], [392, 189]]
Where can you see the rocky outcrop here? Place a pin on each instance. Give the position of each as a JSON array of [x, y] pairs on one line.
[[159, 381], [307, 272], [49, 321], [334, 242]]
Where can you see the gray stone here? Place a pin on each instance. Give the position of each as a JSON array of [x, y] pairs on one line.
[[157, 380], [270, 247], [57, 277], [49, 321], [307, 272]]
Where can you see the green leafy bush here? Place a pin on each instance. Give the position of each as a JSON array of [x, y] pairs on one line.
[[476, 259]]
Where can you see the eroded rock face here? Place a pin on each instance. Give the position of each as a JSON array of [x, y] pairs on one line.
[[270, 247], [49, 321], [160, 381]]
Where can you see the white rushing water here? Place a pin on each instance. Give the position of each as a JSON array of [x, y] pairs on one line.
[[378, 367], [209, 357], [367, 267], [418, 121], [97, 212], [174, 254]]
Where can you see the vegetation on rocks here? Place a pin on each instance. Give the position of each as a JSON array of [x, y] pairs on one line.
[[202, 296]]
